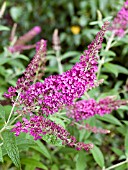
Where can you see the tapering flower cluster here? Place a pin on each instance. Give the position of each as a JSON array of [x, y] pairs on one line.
[[120, 22], [38, 126], [93, 129], [56, 40], [20, 43], [59, 90], [85, 109], [29, 75]]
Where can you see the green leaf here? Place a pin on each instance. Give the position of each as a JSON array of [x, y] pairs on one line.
[[3, 71], [108, 60], [115, 69], [1, 156], [126, 143], [2, 113], [7, 109], [22, 57], [108, 53], [75, 59], [95, 22], [93, 5], [57, 120], [29, 167], [4, 60], [49, 57], [98, 156], [126, 122], [70, 8], [122, 69], [50, 52], [43, 149], [16, 13], [84, 134], [69, 54], [121, 129], [103, 4], [11, 147], [123, 108], [109, 118], [81, 163], [54, 167], [51, 139], [117, 151], [52, 69], [67, 67], [83, 20], [4, 28], [122, 167], [23, 143], [35, 163], [112, 92]]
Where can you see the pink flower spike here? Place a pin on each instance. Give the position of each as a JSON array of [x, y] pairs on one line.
[[59, 90], [38, 126], [85, 109], [37, 29], [120, 22], [20, 43]]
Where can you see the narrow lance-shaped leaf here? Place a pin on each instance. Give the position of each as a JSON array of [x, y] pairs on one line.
[[115, 69], [109, 118], [69, 54], [35, 163], [81, 163], [4, 28], [43, 149], [11, 147], [98, 156]]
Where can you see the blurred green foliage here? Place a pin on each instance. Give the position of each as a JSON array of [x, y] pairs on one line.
[[62, 15]]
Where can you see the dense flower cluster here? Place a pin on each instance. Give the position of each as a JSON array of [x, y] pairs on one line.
[[59, 90], [38, 126], [85, 109], [20, 43], [120, 22], [29, 75]]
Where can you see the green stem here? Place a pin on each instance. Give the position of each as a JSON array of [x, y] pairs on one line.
[[15, 119], [13, 108], [100, 65], [8, 127], [6, 124], [60, 67], [119, 164], [108, 46], [63, 117]]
